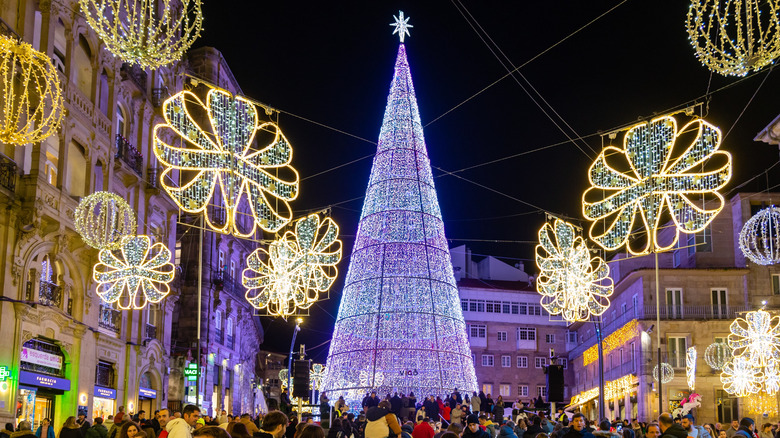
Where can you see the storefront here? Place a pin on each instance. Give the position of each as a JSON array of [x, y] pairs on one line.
[[37, 395], [103, 402], [147, 400]]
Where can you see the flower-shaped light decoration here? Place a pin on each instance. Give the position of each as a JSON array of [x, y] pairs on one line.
[[658, 179], [136, 266], [667, 372], [223, 167], [149, 33], [690, 367], [296, 268], [717, 354], [736, 36], [31, 97], [761, 404], [772, 378], [103, 219], [572, 284], [316, 375], [756, 338], [740, 378], [759, 238], [283, 378]]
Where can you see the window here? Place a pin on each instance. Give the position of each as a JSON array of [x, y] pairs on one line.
[[623, 308], [104, 374], [622, 357], [633, 356], [464, 305], [487, 388], [677, 348], [676, 257], [487, 360], [504, 390], [177, 253], [522, 390], [474, 359], [502, 336], [635, 303], [535, 309], [674, 307], [505, 307], [476, 305], [516, 307], [526, 334], [218, 320], [523, 307], [478, 331], [704, 240], [549, 338], [541, 391], [506, 361], [691, 244], [571, 337], [221, 265], [522, 361], [540, 362], [776, 284], [719, 307], [563, 361], [232, 269]]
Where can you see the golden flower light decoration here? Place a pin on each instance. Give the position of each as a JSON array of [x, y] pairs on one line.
[[756, 338], [572, 284], [740, 378], [223, 167], [659, 179], [295, 269], [103, 219], [148, 33], [137, 273], [690, 367], [733, 37], [31, 97]]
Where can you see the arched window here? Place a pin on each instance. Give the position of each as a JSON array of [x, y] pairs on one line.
[[48, 291], [76, 177], [59, 46], [98, 179], [103, 96], [51, 149], [120, 122], [83, 67]]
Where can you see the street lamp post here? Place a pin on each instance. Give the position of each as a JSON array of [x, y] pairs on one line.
[[298, 322]]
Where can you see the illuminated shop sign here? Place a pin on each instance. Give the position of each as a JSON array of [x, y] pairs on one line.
[[105, 392], [41, 358], [35, 379], [147, 393]]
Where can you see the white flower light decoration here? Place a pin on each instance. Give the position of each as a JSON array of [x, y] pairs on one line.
[[759, 238], [740, 378], [283, 378], [316, 375], [667, 372], [690, 367], [136, 266], [717, 354], [103, 219], [295, 269], [572, 284], [756, 338], [31, 97], [659, 179], [734, 37], [149, 33], [223, 167]]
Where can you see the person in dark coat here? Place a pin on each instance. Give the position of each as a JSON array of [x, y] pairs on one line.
[[535, 427], [395, 404], [747, 428], [9, 429], [669, 428], [482, 402], [577, 429], [97, 430], [472, 429]]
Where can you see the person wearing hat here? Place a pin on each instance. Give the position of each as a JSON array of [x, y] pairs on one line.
[[746, 428], [472, 429], [200, 423]]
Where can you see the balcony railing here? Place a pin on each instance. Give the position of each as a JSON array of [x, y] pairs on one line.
[[136, 74], [151, 332], [129, 154], [50, 294], [110, 319], [158, 96], [219, 334], [8, 173]]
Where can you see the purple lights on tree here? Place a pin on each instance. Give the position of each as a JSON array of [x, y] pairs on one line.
[[400, 326]]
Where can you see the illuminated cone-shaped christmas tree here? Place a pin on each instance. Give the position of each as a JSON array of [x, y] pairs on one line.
[[400, 325]]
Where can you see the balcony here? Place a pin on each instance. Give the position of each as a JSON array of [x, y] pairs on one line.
[[153, 178], [129, 154], [110, 319], [230, 341], [158, 96], [219, 336], [50, 294], [8, 173], [135, 74], [150, 332]]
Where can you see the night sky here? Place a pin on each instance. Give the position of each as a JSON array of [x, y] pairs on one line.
[[332, 62]]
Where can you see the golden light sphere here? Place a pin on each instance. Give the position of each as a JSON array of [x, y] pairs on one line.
[[103, 219], [147, 33], [31, 98]]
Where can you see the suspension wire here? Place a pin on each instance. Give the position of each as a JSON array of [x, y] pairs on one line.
[[769, 72]]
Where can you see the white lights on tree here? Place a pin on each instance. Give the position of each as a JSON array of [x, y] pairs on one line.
[[667, 372], [690, 367], [759, 238], [148, 33], [653, 176], [572, 284], [222, 172], [103, 219], [137, 273], [400, 326], [717, 354], [295, 269], [733, 37]]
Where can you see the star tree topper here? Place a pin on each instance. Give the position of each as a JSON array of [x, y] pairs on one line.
[[401, 26]]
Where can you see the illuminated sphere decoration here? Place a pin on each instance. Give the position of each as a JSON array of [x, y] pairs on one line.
[[400, 327], [759, 238], [717, 354], [572, 284], [295, 269], [103, 219], [147, 33], [134, 275], [656, 175], [31, 97], [734, 37], [667, 372]]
